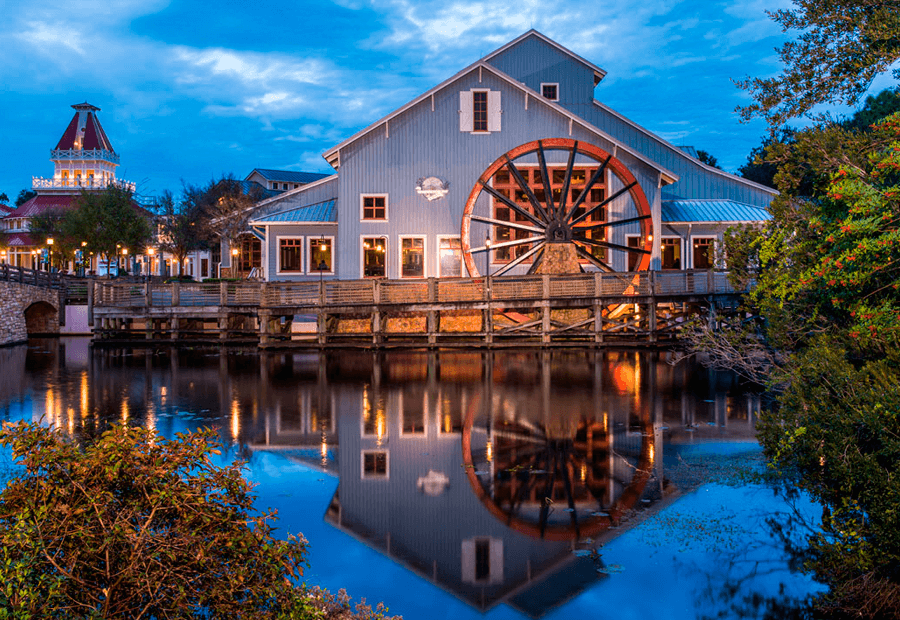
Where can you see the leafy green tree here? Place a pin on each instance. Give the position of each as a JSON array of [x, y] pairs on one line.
[[4, 199], [24, 196], [178, 226], [132, 525], [840, 48], [108, 221], [708, 158]]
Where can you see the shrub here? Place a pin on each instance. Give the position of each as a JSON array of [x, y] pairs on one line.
[[132, 525]]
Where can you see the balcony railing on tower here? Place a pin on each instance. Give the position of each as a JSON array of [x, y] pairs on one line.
[[84, 154], [80, 183]]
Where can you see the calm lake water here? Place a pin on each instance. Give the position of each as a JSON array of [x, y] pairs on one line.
[[561, 484]]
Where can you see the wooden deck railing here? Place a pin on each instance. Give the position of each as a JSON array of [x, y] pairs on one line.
[[403, 292]]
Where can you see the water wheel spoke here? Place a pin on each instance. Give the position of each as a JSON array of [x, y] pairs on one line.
[[520, 259], [507, 244], [548, 191], [592, 259], [548, 495], [509, 203], [568, 181], [587, 189], [614, 223], [570, 496], [612, 246], [536, 263], [587, 214], [505, 224], [524, 489], [526, 188]]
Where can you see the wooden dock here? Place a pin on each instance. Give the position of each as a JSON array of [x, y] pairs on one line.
[[599, 309]]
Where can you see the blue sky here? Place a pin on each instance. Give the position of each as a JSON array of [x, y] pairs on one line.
[[191, 90]]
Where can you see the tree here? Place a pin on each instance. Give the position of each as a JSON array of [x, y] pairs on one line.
[[108, 221], [178, 226], [225, 208], [24, 196], [3, 198], [132, 525], [707, 158], [841, 47]]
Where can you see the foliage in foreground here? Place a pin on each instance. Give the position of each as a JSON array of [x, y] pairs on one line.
[[827, 269], [132, 525]]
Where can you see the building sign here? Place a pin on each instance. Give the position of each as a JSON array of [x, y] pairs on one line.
[[432, 188]]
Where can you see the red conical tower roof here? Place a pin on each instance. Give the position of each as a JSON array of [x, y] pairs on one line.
[[84, 131]]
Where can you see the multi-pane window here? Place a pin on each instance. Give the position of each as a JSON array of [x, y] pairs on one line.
[[670, 251], [634, 258], [290, 255], [321, 252], [250, 256], [480, 110], [374, 252], [550, 91], [375, 464], [505, 183], [450, 257], [412, 257], [374, 207], [703, 252]]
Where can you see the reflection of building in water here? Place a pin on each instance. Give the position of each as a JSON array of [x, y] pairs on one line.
[[405, 485]]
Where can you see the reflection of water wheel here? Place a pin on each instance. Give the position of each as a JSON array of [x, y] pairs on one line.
[[547, 485], [528, 213]]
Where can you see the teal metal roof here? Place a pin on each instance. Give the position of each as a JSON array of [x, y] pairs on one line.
[[319, 212], [712, 211]]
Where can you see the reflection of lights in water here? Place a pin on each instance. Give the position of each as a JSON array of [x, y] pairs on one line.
[[605, 422], [163, 392], [50, 408], [490, 451], [652, 452], [583, 472], [83, 393], [70, 413], [379, 425], [126, 412], [448, 423], [235, 419], [623, 377]]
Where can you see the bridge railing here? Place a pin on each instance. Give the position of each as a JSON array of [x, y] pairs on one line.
[[426, 290]]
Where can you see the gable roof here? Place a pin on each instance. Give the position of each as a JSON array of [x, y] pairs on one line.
[[291, 176], [332, 155], [4, 210], [719, 211], [599, 73], [685, 151], [320, 213]]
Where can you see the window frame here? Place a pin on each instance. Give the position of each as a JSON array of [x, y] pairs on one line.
[[278, 270], [487, 112], [425, 417], [462, 263], [555, 85], [362, 256], [633, 236], [424, 239], [715, 244], [309, 254], [362, 464], [362, 208], [680, 252]]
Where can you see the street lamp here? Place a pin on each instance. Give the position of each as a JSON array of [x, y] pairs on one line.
[[49, 254], [235, 252], [487, 256]]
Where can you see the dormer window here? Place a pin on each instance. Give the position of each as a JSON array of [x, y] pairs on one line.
[[550, 91], [479, 111]]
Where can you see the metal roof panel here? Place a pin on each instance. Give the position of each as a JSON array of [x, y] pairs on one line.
[[712, 211], [323, 212]]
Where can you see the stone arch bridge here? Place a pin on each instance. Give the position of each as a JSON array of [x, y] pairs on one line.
[[29, 307]]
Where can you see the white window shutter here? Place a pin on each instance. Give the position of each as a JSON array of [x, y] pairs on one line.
[[496, 552], [466, 116], [494, 110], [468, 561]]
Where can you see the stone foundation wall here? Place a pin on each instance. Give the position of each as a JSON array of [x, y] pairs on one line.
[[15, 299]]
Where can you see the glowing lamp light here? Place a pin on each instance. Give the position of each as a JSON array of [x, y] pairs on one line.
[[151, 251], [49, 240], [125, 251], [235, 251]]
